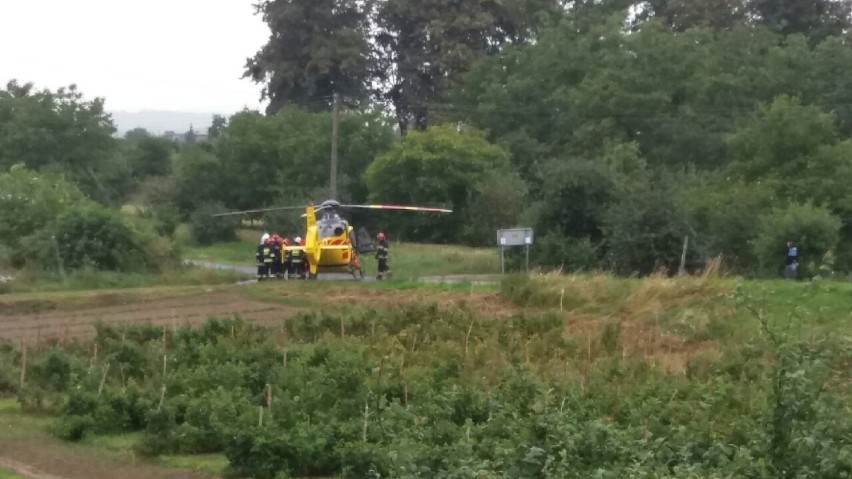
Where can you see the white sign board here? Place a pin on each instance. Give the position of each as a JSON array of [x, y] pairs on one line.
[[515, 237]]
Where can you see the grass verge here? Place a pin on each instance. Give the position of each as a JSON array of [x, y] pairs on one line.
[[407, 260], [99, 280]]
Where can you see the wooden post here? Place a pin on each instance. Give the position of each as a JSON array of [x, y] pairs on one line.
[[269, 399], [561, 298], [103, 379], [23, 363], [285, 358], [162, 397], [164, 364], [682, 270], [260, 416], [366, 416], [467, 339], [589, 346], [405, 395], [95, 357]]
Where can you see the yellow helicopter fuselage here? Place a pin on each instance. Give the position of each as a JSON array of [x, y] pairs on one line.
[[328, 244]]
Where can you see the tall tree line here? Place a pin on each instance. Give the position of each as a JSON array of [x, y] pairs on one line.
[[410, 53]]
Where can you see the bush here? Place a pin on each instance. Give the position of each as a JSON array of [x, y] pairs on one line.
[[95, 237], [814, 230], [207, 229], [570, 254]]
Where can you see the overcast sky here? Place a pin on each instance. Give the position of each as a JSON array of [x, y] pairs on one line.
[[185, 55]]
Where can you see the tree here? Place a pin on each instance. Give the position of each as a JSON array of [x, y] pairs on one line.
[[217, 127], [780, 139], [149, 156], [136, 134], [317, 48], [425, 45], [815, 230], [816, 19], [60, 130], [438, 167], [682, 15], [30, 201]]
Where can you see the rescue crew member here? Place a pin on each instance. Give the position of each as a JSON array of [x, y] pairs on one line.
[[296, 261], [276, 256], [264, 257], [382, 256], [285, 258]]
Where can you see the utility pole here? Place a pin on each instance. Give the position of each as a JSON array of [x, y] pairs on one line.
[[334, 126]]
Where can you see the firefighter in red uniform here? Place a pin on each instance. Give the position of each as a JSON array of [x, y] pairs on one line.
[[265, 257], [382, 257]]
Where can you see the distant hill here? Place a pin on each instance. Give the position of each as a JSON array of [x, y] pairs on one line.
[[159, 122]]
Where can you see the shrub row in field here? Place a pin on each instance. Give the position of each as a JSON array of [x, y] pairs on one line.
[[410, 393]]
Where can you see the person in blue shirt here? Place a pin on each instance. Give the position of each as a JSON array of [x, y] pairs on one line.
[[791, 265]]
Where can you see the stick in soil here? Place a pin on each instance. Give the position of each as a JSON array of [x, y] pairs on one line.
[[366, 416], [23, 363], [103, 379], [162, 397], [467, 339]]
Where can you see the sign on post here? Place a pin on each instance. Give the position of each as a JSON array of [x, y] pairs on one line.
[[514, 237]]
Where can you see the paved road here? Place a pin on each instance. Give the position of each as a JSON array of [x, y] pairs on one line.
[[251, 271]]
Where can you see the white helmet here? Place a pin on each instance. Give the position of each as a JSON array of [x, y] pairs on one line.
[[264, 238], [298, 239]]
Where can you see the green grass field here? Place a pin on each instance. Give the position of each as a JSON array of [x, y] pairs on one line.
[[407, 260], [8, 475]]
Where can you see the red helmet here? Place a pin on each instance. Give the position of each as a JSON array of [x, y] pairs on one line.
[[380, 236]]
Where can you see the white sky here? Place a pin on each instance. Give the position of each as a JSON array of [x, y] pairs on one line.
[[184, 55]]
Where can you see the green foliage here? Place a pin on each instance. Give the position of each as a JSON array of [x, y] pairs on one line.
[[207, 229], [779, 141], [93, 237], [813, 229], [198, 179], [58, 130], [266, 158], [317, 49], [440, 167], [725, 216], [150, 156], [644, 231], [424, 390], [30, 202], [426, 45]]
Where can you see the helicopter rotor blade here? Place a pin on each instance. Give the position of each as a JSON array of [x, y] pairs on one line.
[[400, 207], [263, 210]]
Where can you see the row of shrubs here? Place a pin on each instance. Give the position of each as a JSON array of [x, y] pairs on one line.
[[407, 393]]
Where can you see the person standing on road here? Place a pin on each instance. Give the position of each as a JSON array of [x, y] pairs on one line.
[[791, 267], [382, 256], [265, 258]]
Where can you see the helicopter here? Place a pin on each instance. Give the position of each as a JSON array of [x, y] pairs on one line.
[[330, 242]]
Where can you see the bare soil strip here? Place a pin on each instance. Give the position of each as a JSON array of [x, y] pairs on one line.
[[43, 458], [191, 309]]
